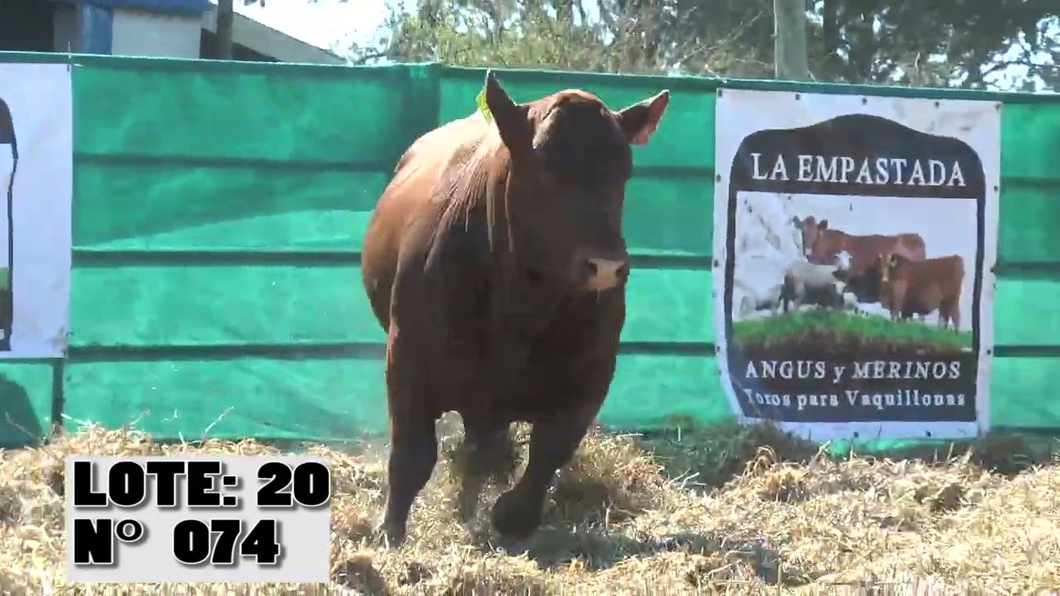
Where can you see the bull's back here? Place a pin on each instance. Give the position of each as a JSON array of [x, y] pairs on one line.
[[407, 195], [864, 250], [911, 246], [945, 272]]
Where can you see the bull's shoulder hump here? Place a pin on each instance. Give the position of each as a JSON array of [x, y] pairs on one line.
[[439, 144]]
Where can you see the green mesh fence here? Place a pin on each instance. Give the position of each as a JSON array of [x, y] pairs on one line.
[[219, 209]]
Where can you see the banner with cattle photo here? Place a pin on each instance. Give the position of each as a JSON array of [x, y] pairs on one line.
[[36, 174], [854, 247]]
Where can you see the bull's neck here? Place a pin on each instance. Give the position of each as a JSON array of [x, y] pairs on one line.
[[499, 209]]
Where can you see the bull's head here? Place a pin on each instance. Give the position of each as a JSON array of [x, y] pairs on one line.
[[811, 230], [889, 263], [570, 161]]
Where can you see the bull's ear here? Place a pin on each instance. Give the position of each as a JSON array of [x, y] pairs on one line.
[[513, 120], [823, 224], [640, 120]]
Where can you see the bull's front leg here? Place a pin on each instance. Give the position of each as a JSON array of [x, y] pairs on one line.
[[517, 513], [485, 448]]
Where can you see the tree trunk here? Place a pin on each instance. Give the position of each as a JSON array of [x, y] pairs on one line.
[[225, 16], [789, 26], [832, 60]]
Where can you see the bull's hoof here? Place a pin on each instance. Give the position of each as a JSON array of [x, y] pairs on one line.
[[514, 518], [391, 535]]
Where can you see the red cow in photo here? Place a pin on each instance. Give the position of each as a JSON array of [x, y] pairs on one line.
[[921, 287]]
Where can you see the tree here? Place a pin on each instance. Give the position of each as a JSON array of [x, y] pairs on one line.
[[939, 43], [790, 52], [632, 36]]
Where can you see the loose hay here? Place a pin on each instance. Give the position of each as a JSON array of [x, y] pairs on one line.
[[617, 524]]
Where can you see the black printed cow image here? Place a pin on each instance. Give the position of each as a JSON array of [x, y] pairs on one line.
[[8, 165]]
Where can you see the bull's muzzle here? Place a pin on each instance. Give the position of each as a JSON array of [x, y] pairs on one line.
[[604, 274]]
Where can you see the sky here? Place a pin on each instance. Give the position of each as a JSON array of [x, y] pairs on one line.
[[328, 24], [335, 25]]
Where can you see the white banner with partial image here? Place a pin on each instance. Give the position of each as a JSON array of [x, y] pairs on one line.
[[36, 181]]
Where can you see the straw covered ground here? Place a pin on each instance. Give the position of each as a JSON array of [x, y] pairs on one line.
[[769, 515]]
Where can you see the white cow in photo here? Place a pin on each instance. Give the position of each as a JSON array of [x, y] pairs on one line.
[[766, 245]]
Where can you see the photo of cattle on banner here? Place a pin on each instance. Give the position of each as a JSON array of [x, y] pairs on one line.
[[851, 289], [865, 275]]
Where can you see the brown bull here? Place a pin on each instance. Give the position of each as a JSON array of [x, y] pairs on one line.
[[921, 287], [495, 262], [821, 245]]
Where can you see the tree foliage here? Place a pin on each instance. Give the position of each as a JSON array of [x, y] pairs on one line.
[[937, 43]]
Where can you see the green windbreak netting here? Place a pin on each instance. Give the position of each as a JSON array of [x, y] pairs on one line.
[[219, 209]]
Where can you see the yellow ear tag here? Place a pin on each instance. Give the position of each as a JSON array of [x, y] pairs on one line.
[[482, 107]]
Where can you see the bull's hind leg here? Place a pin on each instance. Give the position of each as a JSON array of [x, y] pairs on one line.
[[413, 454], [950, 312], [485, 453], [517, 513], [413, 445]]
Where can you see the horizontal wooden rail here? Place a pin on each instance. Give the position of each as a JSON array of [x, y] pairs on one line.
[[184, 162], [382, 166], [371, 350], [105, 257]]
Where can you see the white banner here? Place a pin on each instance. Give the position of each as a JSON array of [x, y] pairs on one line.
[[855, 241], [36, 178]]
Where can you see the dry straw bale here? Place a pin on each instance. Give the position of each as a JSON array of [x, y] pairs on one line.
[[619, 523]]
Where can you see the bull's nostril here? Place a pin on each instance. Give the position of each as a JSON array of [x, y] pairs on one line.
[[590, 267], [622, 271]]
